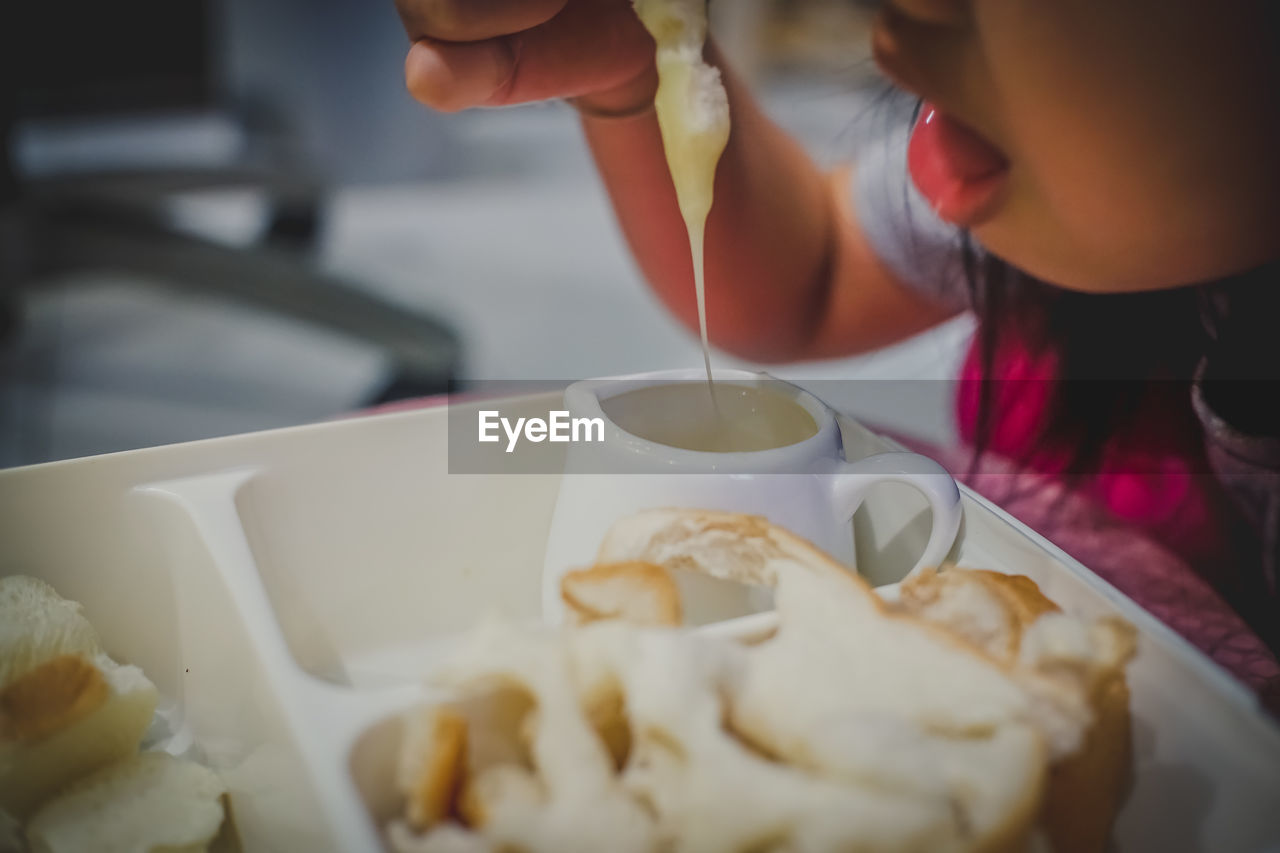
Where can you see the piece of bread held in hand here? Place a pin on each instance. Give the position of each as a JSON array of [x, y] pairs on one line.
[[150, 803], [66, 708]]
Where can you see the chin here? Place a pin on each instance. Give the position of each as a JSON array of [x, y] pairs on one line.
[[1129, 273], [1026, 238], [1031, 252], [1060, 264]]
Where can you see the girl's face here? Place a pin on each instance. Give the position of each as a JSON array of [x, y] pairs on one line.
[[1103, 145]]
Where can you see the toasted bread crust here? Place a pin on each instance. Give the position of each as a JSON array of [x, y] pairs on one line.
[[653, 597], [54, 695], [1086, 790], [1018, 599], [431, 791], [1023, 596], [606, 712]]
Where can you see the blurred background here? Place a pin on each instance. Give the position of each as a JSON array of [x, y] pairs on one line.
[[219, 216]]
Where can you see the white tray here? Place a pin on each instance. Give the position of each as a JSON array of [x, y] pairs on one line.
[[288, 589]]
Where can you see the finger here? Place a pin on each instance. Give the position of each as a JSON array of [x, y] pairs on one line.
[[473, 20], [590, 47], [451, 77]]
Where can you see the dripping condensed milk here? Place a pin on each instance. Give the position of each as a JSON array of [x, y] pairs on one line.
[[692, 107]]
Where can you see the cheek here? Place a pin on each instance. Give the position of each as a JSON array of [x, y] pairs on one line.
[[1140, 155], [1080, 110]]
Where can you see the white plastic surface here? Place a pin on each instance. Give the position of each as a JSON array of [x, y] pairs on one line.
[[287, 590]]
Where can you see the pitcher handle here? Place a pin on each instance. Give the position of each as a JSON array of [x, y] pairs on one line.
[[852, 480]]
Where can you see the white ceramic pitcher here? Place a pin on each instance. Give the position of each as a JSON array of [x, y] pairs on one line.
[[807, 487]]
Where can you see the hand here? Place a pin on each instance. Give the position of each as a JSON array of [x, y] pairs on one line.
[[487, 53]]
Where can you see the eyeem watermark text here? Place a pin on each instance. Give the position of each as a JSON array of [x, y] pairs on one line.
[[557, 428]]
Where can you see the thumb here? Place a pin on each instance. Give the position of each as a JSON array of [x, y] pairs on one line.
[[589, 47], [451, 76]]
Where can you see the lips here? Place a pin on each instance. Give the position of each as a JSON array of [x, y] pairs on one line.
[[958, 172]]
